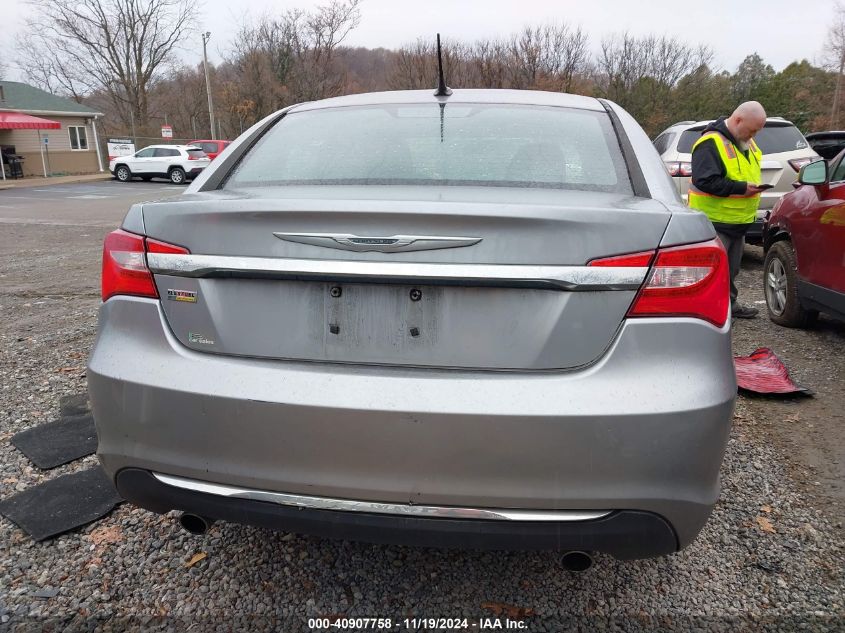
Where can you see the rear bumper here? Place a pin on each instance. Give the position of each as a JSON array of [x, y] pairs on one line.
[[754, 235], [644, 429], [624, 535]]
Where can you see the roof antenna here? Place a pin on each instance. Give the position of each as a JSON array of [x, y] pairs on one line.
[[442, 89]]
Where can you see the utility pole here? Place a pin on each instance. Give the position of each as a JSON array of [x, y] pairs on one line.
[[205, 37]]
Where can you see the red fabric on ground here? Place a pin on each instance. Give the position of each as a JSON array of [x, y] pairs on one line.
[[763, 372]]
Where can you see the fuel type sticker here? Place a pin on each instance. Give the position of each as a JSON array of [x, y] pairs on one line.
[[186, 296]]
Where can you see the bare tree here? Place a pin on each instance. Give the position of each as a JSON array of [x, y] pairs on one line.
[[415, 65], [257, 68], [117, 47], [490, 61], [316, 37], [835, 48], [292, 57], [549, 56], [640, 72]]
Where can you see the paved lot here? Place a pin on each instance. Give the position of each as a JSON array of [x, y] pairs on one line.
[[771, 554], [100, 203]]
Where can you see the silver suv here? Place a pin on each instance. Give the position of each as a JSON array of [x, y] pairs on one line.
[[785, 151], [481, 320]]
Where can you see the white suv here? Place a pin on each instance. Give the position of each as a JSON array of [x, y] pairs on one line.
[[178, 163], [785, 151]]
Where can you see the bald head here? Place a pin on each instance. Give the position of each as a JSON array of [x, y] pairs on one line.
[[748, 119]]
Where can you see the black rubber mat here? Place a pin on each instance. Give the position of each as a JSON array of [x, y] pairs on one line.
[[62, 504], [56, 443], [74, 405]]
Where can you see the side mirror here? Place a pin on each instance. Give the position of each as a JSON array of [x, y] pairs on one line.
[[814, 173]]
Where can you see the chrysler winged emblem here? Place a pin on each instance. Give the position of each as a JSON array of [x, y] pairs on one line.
[[392, 244]]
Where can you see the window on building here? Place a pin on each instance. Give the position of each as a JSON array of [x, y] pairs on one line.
[[78, 137]]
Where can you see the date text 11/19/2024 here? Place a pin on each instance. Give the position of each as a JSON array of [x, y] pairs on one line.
[[416, 624]]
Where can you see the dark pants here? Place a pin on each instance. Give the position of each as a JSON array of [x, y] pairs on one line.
[[733, 239]]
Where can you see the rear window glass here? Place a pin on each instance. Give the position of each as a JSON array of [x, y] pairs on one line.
[[208, 148], [460, 144], [661, 143], [197, 153], [772, 139]]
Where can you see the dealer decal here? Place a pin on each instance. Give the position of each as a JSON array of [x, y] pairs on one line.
[[193, 337]]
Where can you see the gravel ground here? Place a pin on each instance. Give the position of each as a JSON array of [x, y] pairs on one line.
[[770, 558]]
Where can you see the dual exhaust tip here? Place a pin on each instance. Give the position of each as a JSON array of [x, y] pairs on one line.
[[574, 561]]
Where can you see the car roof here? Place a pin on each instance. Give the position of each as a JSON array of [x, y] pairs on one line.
[[484, 96], [832, 134], [690, 125]]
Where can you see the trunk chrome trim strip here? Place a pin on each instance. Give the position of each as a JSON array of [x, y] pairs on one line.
[[374, 507], [572, 278]]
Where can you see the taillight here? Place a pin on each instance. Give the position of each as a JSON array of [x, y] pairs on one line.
[[679, 168], [634, 260], [155, 246], [125, 269], [685, 281], [798, 163]]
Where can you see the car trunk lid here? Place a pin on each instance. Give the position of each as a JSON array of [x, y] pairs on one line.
[[475, 278]]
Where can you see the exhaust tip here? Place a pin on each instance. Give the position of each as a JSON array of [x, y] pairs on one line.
[[194, 523], [577, 561]]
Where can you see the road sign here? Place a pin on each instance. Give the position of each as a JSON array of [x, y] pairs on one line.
[[46, 140], [166, 131]]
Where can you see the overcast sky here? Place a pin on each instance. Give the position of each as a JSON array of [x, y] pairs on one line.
[[781, 31]]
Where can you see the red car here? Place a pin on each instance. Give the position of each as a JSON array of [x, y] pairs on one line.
[[804, 240], [211, 148]]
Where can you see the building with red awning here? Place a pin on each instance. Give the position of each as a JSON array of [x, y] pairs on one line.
[[20, 121], [47, 134]]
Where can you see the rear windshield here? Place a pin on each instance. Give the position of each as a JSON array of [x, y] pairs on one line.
[[197, 153], [460, 144], [772, 139]]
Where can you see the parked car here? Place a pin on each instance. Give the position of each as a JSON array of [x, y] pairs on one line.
[[211, 148], [377, 317], [804, 269], [785, 151], [178, 163], [827, 144]]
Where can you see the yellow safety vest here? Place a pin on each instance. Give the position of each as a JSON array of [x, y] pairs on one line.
[[736, 209]]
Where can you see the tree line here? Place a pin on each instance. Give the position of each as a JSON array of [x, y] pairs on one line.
[[120, 56]]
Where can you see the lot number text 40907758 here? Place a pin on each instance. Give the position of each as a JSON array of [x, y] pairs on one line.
[[416, 624]]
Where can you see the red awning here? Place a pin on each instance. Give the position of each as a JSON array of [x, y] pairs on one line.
[[21, 121]]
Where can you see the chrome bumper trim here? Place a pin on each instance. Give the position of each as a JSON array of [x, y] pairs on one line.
[[572, 278], [349, 505]]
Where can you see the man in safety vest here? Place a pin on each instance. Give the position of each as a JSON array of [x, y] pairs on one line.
[[725, 179]]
